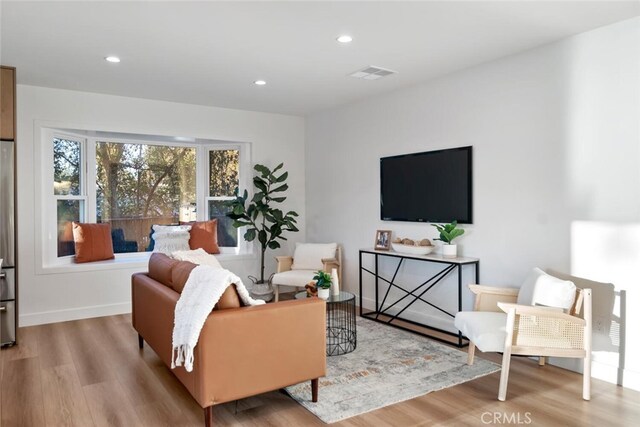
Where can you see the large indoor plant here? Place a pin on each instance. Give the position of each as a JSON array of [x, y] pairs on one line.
[[448, 232], [263, 220]]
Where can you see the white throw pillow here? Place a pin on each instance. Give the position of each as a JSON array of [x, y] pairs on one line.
[[170, 228], [167, 242], [553, 292], [309, 256], [525, 295]]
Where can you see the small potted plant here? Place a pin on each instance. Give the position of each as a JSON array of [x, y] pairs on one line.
[[323, 283], [448, 232]]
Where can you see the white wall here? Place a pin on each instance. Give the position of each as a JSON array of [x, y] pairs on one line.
[[556, 139], [56, 296]]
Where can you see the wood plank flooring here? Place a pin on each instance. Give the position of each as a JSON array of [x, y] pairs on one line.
[[91, 373]]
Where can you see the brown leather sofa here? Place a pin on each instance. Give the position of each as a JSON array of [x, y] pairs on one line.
[[242, 351]]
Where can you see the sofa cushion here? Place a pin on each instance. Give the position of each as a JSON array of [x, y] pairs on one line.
[[92, 242], [180, 275], [160, 266], [309, 256]]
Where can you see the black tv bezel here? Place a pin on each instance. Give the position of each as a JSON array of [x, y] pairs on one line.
[[469, 149]]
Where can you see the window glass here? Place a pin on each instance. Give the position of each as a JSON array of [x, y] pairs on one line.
[[138, 185], [223, 180], [68, 210], [223, 172], [227, 233], [66, 167]]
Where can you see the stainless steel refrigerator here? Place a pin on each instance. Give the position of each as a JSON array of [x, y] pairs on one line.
[[8, 285]]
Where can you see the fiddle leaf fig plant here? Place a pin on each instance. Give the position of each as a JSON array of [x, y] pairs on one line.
[[448, 232], [263, 220]]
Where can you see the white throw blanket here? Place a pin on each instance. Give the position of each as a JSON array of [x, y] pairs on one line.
[[201, 292]]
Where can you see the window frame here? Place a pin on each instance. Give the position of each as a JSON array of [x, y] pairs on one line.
[[54, 198], [244, 174], [88, 186]]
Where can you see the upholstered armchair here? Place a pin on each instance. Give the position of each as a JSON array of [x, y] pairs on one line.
[[540, 319], [298, 270]]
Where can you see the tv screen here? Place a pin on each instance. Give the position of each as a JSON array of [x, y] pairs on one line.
[[434, 186]]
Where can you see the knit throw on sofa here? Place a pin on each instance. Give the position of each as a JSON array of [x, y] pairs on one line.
[[201, 292]]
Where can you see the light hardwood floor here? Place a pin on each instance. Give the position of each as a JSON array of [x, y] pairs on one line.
[[91, 373]]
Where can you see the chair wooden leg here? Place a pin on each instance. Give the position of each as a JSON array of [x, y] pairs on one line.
[[506, 356], [314, 390], [208, 416], [277, 291], [586, 378], [504, 375], [470, 353], [140, 341], [542, 360]]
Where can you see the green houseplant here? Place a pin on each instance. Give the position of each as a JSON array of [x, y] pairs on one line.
[[323, 283], [449, 232], [263, 220]]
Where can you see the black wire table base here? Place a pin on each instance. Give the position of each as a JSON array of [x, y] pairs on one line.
[[341, 323]]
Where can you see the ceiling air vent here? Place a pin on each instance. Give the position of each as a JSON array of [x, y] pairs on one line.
[[372, 73]]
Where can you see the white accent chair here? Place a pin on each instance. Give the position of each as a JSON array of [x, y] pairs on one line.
[[540, 319], [298, 270]]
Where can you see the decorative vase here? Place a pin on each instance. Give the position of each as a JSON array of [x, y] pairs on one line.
[[324, 293], [335, 285], [262, 291], [449, 251]]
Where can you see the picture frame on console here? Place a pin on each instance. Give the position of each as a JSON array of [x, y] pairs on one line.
[[383, 240]]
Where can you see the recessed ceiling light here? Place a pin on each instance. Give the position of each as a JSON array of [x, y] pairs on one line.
[[260, 82], [345, 39], [114, 59]]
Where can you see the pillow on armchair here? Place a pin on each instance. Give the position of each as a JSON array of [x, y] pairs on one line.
[[309, 256], [540, 288]]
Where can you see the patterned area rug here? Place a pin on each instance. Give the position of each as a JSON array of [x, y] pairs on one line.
[[388, 366]]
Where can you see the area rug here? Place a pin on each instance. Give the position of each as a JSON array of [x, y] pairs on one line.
[[388, 366]]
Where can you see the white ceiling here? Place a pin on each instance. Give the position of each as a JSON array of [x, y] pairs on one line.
[[209, 53]]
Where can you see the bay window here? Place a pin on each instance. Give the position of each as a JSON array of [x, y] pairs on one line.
[[133, 183]]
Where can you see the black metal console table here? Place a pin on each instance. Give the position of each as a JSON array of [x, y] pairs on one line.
[[416, 294]]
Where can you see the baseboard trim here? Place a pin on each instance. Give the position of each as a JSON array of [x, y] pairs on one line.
[[55, 316]]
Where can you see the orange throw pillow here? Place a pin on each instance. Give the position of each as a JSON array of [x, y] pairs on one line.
[[204, 234], [93, 242]]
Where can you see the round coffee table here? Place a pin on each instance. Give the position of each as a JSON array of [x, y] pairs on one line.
[[341, 323]]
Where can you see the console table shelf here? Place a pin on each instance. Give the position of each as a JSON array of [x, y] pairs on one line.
[[417, 294]]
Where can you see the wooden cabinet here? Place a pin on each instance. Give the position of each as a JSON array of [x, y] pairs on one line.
[[7, 103]]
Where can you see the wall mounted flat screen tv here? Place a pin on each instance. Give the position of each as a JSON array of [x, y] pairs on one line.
[[434, 186]]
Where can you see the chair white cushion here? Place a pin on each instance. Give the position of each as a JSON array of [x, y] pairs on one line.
[[293, 278], [540, 288], [486, 329], [553, 292], [525, 295], [308, 256]]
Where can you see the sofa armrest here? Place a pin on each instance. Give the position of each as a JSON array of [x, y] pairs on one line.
[[284, 263], [252, 350]]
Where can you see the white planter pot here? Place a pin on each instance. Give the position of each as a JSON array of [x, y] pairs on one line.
[[449, 251], [262, 291], [324, 293]]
